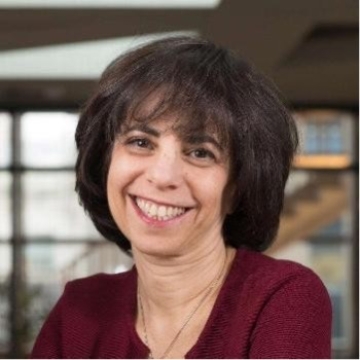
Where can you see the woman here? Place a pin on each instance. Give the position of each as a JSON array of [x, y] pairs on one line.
[[184, 152]]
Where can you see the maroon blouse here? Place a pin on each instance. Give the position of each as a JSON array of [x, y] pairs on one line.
[[266, 308]]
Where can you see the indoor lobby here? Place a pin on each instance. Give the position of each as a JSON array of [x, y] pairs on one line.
[[51, 55]]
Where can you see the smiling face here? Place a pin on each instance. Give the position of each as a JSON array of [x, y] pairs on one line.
[[166, 194]]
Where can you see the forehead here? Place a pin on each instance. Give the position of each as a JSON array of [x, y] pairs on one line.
[[177, 113], [171, 124]]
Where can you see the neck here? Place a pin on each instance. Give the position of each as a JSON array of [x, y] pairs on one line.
[[172, 291], [170, 285]]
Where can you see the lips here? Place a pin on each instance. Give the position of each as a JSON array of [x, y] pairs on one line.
[[158, 211]]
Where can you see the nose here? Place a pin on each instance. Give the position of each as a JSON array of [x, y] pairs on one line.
[[165, 170]]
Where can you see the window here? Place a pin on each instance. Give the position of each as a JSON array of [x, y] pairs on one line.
[[42, 223], [317, 226]]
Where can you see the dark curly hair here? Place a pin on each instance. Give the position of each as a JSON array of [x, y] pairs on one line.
[[208, 87]]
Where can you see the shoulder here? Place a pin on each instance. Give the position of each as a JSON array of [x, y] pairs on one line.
[[99, 282], [90, 310], [290, 309], [99, 292], [256, 264], [268, 276]]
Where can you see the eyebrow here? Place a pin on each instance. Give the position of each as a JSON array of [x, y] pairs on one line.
[[143, 128], [203, 138]]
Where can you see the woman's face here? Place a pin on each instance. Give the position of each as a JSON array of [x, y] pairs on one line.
[[166, 194]]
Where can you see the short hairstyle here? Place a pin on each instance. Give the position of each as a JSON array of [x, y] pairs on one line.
[[206, 86]]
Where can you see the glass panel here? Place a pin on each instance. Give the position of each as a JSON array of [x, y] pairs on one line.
[[319, 198], [331, 262], [51, 209], [48, 139], [5, 261], [316, 230], [5, 148], [326, 139], [50, 266], [5, 206]]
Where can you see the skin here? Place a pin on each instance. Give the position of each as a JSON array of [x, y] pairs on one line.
[[176, 258]]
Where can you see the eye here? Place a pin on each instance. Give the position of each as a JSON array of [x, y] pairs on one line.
[[139, 145], [139, 142], [202, 154]]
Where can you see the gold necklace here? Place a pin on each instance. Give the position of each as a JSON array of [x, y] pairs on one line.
[[211, 288]]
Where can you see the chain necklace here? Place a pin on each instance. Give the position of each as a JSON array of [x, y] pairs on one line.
[[209, 291]]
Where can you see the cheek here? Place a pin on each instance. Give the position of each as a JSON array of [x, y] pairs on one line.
[[120, 171], [111, 184], [116, 180], [112, 178], [211, 190], [112, 190], [123, 173]]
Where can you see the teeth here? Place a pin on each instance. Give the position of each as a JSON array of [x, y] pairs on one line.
[[153, 210], [158, 212], [162, 211], [169, 211], [146, 206]]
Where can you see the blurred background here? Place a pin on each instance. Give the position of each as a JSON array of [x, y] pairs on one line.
[[52, 52]]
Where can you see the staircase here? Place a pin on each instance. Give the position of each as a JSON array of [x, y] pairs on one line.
[[316, 200]]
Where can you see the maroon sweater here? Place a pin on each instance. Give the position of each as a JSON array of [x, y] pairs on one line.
[[266, 308]]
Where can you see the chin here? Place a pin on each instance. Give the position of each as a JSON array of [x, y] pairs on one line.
[[157, 248]]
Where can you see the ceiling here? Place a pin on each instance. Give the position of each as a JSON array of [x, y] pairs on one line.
[[309, 48]]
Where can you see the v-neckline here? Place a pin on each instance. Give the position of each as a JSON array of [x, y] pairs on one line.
[[131, 319]]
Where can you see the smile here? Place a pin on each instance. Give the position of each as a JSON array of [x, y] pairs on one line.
[[158, 212]]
